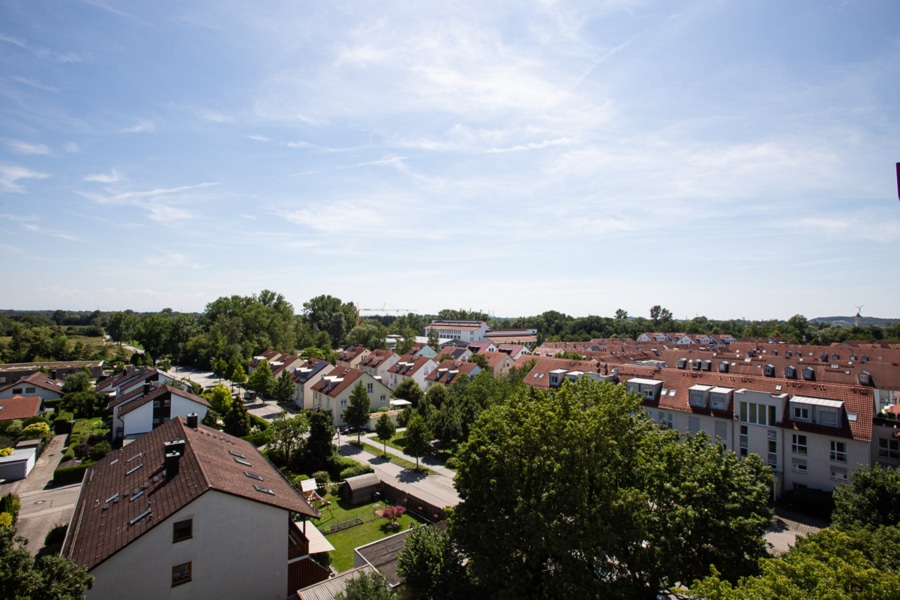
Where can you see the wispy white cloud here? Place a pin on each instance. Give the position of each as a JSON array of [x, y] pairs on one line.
[[142, 126], [111, 9], [35, 228], [21, 147], [164, 205], [35, 84], [42, 52], [11, 175], [71, 147], [259, 138], [113, 176], [215, 116]]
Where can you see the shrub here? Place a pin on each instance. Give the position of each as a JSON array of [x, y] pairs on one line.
[[11, 428], [451, 463], [6, 520], [82, 450], [36, 431], [321, 477], [296, 481], [63, 423], [67, 475], [54, 539], [35, 419], [356, 469], [100, 450], [11, 504]]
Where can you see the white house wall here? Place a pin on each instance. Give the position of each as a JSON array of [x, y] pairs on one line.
[[239, 549]]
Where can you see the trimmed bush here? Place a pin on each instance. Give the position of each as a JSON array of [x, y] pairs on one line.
[[258, 422], [67, 475], [36, 431], [99, 450], [11, 504], [63, 423], [35, 419], [356, 469]]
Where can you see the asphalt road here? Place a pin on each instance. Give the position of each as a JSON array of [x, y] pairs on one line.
[[44, 504]]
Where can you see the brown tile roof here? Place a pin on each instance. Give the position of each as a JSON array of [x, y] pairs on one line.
[[350, 353], [37, 379], [108, 513], [310, 369], [376, 357], [159, 392], [539, 376], [442, 374], [337, 380], [409, 364], [19, 407]]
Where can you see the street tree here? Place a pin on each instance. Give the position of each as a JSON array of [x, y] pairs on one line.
[[433, 339], [220, 398], [660, 316], [261, 380], [357, 413], [417, 438], [238, 374], [589, 498], [385, 429], [284, 387]]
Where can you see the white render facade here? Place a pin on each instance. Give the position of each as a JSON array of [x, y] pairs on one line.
[[239, 549]]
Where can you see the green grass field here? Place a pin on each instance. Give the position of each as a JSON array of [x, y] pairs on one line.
[[345, 541]]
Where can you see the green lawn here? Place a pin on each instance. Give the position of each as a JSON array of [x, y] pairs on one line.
[[345, 541]]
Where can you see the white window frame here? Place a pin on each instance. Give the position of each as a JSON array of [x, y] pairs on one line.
[[799, 444], [838, 451]]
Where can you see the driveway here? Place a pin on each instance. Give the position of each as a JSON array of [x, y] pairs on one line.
[[44, 504]]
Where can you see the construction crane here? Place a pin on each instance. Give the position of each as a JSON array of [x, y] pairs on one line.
[[383, 309]]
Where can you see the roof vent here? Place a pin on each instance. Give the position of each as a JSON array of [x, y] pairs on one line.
[[823, 357], [193, 420]]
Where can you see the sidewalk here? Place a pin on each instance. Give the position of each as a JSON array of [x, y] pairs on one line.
[[427, 460]]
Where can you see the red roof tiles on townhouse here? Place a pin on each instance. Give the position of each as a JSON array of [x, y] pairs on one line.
[[376, 357], [448, 371], [409, 364], [114, 507], [337, 380], [19, 407]]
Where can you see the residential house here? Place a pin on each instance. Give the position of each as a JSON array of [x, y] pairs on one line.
[[515, 351], [499, 362], [449, 372], [286, 363], [549, 373], [332, 391], [187, 511], [12, 372], [35, 384], [351, 356], [133, 379], [20, 407], [453, 352], [305, 377], [481, 347], [150, 406], [377, 362], [412, 367]]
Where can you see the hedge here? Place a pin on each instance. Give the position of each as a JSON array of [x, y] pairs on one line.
[[63, 423], [67, 475], [259, 422]]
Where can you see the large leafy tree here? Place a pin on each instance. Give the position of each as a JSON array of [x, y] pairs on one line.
[[319, 446], [430, 566], [417, 438], [409, 390], [385, 429], [237, 420], [835, 564], [870, 499], [286, 438], [589, 498], [284, 387], [262, 380], [50, 577], [357, 413]]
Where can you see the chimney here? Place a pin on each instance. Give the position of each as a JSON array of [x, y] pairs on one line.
[[192, 420], [172, 459], [146, 387]]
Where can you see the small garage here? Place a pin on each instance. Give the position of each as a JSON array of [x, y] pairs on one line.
[[18, 464], [360, 489]]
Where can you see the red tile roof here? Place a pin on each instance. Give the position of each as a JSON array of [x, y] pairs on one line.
[[337, 380], [19, 407], [37, 379], [118, 489], [160, 392]]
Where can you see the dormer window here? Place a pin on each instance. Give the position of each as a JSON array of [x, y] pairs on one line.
[[801, 413]]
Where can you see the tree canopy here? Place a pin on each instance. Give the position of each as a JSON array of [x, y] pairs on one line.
[[50, 577], [357, 412], [871, 498], [590, 498]]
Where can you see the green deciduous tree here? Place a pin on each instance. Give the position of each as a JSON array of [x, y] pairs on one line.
[[79, 381], [284, 387], [840, 565], [51, 577], [286, 440], [589, 498], [237, 420], [430, 566], [367, 586], [870, 499], [409, 390], [261, 380], [385, 429], [417, 439], [220, 398], [357, 413]]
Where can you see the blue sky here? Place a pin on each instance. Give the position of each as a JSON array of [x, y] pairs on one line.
[[728, 159]]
